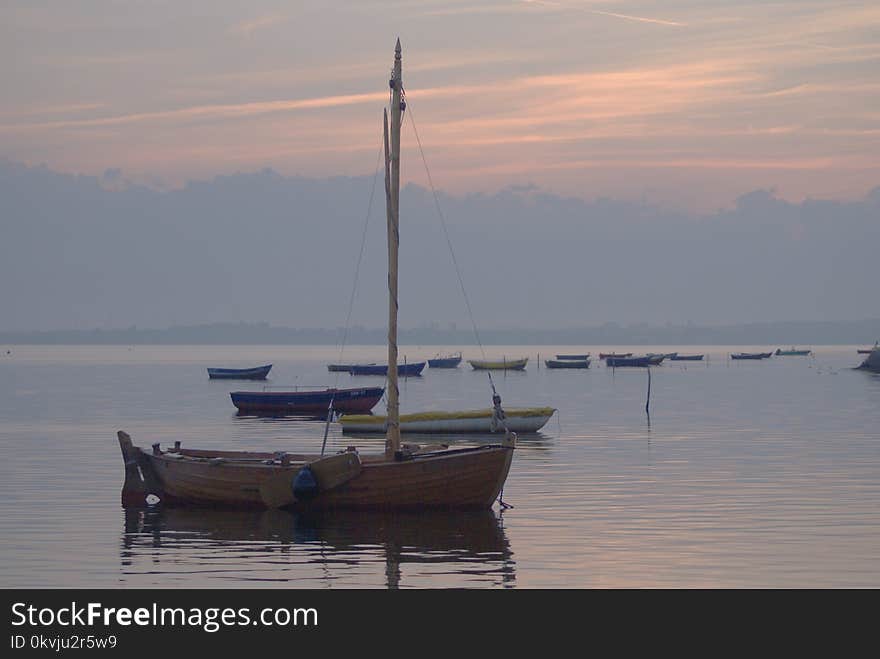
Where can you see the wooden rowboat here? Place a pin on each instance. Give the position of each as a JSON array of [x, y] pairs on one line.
[[523, 420], [567, 363], [342, 368], [750, 355], [606, 355], [616, 362], [451, 361], [407, 370], [502, 365], [307, 402], [662, 355], [256, 373]]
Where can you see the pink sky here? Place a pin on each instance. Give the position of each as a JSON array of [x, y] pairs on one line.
[[686, 102]]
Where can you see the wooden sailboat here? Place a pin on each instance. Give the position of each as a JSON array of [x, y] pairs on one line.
[[403, 477]]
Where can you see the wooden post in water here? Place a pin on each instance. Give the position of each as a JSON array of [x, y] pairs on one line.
[[648, 400]]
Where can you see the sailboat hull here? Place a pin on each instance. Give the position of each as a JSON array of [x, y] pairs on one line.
[[503, 365], [567, 363], [258, 373], [469, 478], [444, 362], [474, 421], [307, 402], [407, 370], [750, 355]]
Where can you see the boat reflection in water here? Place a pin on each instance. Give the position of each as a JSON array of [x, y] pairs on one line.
[[203, 547]]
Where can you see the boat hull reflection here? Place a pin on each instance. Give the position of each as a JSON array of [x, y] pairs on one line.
[[199, 546]]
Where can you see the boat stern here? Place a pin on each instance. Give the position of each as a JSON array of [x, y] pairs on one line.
[[140, 479]]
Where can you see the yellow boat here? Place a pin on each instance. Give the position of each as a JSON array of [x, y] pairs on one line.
[[529, 419], [502, 365]]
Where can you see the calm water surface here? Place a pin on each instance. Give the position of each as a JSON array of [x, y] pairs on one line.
[[749, 474]]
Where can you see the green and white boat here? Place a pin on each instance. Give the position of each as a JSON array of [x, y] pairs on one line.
[[522, 420]]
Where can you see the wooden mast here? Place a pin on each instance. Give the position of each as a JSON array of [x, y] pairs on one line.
[[392, 187]]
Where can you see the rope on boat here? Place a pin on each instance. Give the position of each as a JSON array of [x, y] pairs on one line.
[[498, 416], [499, 419]]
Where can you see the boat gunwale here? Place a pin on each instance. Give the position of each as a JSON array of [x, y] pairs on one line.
[[301, 460]]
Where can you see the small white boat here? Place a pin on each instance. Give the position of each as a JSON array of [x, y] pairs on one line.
[[530, 419]]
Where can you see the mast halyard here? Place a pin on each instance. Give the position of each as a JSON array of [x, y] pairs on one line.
[[392, 167]]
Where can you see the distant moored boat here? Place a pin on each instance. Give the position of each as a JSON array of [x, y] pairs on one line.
[[606, 355], [686, 358], [872, 362], [614, 362], [406, 370], [792, 352], [567, 363], [341, 368], [472, 421], [502, 365], [448, 361], [750, 355], [256, 373], [307, 402]]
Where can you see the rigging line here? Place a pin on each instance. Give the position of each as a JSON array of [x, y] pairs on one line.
[[359, 260], [496, 399], [448, 240]]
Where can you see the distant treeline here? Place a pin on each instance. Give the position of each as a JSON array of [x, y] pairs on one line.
[[771, 333]]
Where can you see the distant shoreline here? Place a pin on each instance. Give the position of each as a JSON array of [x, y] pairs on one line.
[[785, 333]]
